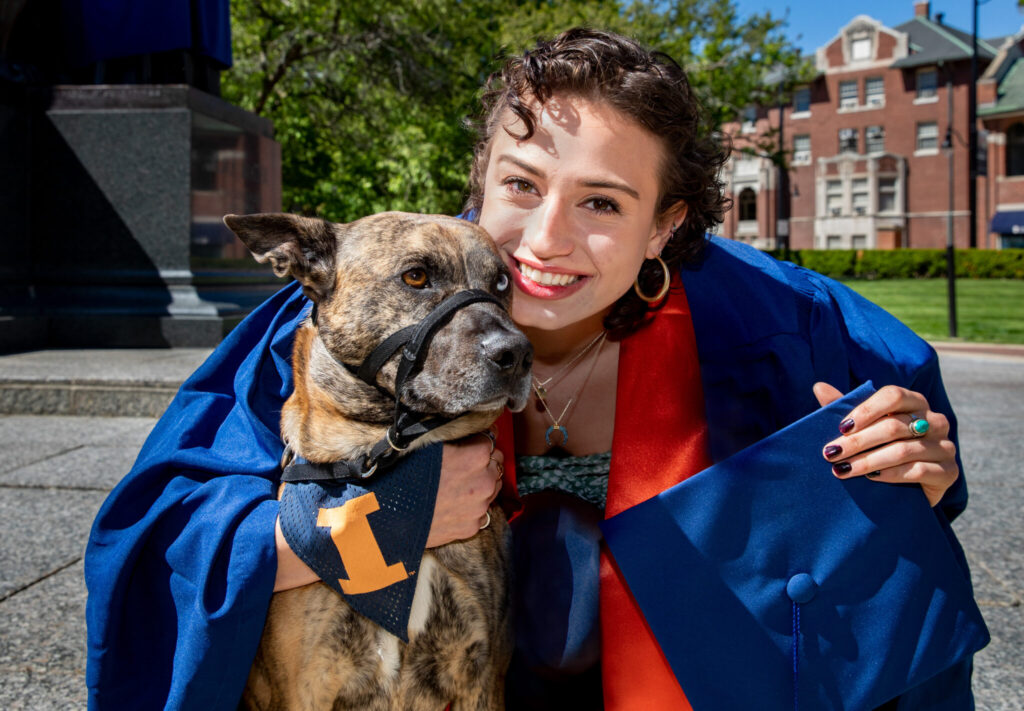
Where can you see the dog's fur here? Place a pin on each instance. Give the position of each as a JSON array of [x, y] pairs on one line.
[[316, 652]]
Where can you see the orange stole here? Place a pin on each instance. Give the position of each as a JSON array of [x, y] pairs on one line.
[[660, 439]]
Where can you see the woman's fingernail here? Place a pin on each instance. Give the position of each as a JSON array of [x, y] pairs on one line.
[[873, 475], [832, 450], [846, 425], [842, 467]]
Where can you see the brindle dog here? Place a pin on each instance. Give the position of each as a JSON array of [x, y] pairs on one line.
[[370, 278]]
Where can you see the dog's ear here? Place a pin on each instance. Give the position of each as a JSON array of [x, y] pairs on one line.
[[301, 246]]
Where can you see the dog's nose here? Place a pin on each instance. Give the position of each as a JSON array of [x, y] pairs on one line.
[[509, 350]]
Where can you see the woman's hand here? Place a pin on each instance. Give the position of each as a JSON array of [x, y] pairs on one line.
[[471, 471], [877, 441]]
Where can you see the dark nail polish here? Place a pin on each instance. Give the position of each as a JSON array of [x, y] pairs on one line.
[[842, 467], [845, 426], [873, 475], [832, 450]]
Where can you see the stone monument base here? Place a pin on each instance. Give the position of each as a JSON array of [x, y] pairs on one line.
[[116, 236]]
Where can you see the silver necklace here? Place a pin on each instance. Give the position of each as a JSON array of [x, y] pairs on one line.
[[541, 385], [557, 423]]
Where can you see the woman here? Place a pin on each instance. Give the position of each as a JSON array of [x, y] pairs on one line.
[[595, 171]]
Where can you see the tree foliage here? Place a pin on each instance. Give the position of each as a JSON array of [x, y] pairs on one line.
[[370, 100]]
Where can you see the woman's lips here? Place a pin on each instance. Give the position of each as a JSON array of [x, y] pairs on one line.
[[545, 284]]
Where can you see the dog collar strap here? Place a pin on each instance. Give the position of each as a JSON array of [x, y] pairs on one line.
[[383, 455]]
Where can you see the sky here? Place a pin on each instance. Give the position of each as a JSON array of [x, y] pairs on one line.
[[818, 21]]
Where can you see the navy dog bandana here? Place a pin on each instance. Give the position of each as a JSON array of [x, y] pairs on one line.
[[365, 538]]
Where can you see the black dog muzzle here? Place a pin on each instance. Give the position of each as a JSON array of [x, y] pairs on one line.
[[408, 426]]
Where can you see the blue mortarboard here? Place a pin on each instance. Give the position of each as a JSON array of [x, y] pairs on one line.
[[733, 565]]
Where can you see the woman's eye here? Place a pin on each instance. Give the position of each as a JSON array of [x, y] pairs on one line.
[[416, 278], [502, 283], [603, 205], [518, 185]]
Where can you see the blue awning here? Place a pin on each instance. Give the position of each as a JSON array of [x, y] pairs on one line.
[[1010, 222]]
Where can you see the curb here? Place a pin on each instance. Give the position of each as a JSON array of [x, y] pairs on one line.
[[89, 398], [993, 349]]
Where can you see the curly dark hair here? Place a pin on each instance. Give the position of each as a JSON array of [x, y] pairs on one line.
[[646, 86]]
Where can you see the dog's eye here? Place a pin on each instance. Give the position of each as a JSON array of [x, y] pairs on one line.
[[502, 283], [416, 278]]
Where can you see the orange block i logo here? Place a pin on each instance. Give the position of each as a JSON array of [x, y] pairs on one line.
[[353, 537]]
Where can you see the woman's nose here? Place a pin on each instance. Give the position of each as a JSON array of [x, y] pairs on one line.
[[549, 234]]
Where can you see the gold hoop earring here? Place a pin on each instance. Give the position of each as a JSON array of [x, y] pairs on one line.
[[664, 286]]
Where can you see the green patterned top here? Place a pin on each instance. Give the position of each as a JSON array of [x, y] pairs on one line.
[[585, 476]]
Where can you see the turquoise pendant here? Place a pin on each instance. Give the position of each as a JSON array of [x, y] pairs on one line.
[[556, 428]]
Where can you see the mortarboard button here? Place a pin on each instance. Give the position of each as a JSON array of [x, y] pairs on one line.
[[801, 588]]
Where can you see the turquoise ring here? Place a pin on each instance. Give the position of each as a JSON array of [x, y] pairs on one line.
[[918, 426]]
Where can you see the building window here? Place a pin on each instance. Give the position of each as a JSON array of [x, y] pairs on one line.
[[860, 49], [874, 139], [1015, 149], [927, 136], [874, 91], [848, 96], [860, 196], [833, 242], [802, 100], [887, 194], [927, 83], [847, 140], [749, 120], [801, 150], [860, 242], [748, 204], [834, 198]]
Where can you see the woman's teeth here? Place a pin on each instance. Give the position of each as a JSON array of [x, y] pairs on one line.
[[546, 278]]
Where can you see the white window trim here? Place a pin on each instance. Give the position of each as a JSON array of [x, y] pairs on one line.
[[800, 115], [927, 99]]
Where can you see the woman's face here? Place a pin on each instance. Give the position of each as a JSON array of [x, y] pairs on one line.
[[572, 210]]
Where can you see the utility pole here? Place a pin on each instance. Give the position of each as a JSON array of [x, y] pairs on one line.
[[972, 133], [782, 186], [947, 145]]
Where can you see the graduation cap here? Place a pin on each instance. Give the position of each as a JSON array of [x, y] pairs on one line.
[[771, 584]]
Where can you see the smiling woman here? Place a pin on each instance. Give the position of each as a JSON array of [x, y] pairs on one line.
[[573, 211]]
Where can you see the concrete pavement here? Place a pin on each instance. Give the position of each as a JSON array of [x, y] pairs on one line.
[[61, 458]]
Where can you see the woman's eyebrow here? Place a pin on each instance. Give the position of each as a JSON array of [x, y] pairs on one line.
[[525, 166], [612, 185]]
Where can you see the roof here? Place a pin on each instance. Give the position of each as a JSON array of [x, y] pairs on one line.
[[931, 43], [1011, 92]]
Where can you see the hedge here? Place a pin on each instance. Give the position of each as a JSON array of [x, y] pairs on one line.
[[908, 263]]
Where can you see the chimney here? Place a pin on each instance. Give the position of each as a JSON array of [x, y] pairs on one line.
[[922, 8], [940, 17]]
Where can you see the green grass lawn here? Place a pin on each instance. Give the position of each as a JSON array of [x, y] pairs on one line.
[[988, 310]]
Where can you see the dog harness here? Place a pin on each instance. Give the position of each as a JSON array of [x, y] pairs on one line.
[[361, 524]]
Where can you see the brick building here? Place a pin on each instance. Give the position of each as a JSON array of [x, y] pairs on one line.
[[866, 144], [1001, 111]]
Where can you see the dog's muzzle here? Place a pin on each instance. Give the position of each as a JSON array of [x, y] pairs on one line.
[[408, 426]]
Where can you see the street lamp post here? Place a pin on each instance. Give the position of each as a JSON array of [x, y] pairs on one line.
[[947, 145], [972, 132]]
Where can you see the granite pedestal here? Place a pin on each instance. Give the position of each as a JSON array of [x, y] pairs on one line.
[[112, 198]]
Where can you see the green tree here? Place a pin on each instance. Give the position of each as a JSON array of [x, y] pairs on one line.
[[369, 100]]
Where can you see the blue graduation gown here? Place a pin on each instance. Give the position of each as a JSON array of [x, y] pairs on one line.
[[181, 559]]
